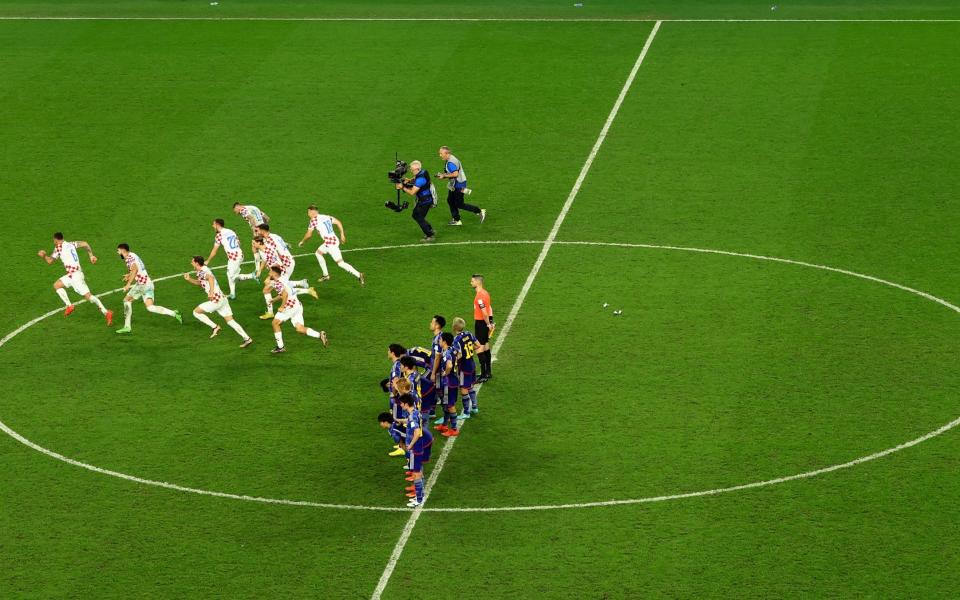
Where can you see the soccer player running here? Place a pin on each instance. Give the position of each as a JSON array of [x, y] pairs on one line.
[[323, 225], [290, 310], [483, 326], [273, 249], [465, 346], [66, 253], [137, 284], [254, 217], [216, 301], [231, 242], [418, 444], [449, 383]]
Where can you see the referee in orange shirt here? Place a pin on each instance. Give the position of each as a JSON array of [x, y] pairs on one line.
[[483, 326]]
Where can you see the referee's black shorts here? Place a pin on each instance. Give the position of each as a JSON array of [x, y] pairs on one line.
[[481, 331]]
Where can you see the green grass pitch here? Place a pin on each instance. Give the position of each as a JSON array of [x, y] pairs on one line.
[[829, 143]]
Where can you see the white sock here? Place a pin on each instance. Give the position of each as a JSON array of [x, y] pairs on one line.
[[96, 302], [300, 291], [300, 283], [236, 327], [312, 333], [63, 296], [266, 298], [232, 282], [349, 269], [205, 320], [127, 313], [247, 276], [279, 338], [323, 264], [160, 310]]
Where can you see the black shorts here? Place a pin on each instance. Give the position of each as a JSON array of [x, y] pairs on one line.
[[481, 331]]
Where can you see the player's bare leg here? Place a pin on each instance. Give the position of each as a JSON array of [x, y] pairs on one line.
[[236, 327], [320, 335], [199, 314]]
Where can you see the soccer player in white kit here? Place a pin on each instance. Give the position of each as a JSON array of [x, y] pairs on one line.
[[216, 301], [66, 252], [276, 252], [290, 310], [323, 225], [137, 284], [228, 239], [253, 216]]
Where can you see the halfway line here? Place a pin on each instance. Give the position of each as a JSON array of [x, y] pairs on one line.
[[515, 309]]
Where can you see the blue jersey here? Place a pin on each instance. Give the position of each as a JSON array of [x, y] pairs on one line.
[[415, 423], [466, 346], [450, 355], [422, 386], [437, 351], [394, 372], [423, 356]]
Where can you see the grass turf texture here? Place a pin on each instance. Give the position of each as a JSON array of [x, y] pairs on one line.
[[790, 142]]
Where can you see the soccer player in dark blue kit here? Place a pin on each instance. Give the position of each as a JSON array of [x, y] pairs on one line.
[[422, 356], [393, 428], [449, 386], [394, 352], [420, 384], [436, 327], [418, 444], [465, 345]]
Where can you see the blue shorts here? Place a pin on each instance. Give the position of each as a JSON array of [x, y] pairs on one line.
[[415, 461], [450, 398], [468, 379], [428, 402]]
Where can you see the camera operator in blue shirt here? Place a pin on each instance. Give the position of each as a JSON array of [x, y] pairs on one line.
[[420, 187]]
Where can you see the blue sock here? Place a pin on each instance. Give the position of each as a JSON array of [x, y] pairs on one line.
[[473, 400], [466, 403], [453, 419], [418, 484]]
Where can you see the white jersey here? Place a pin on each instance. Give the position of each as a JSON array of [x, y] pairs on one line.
[[143, 278], [67, 253], [277, 243], [323, 224], [202, 273], [252, 212], [230, 242], [280, 286]]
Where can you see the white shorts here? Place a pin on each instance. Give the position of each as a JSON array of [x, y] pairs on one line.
[[294, 315], [233, 267], [331, 250], [140, 290], [288, 272], [75, 282], [222, 308]]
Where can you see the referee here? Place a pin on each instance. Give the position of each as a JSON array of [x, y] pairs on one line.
[[483, 326]]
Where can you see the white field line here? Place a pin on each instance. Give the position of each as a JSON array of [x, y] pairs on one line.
[[468, 19], [515, 309], [752, 485]]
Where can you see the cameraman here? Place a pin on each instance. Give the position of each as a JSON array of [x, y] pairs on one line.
[[456, 187], [421, 189]]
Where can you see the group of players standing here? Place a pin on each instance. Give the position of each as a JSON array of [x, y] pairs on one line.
[[425, 381], [271, 252]]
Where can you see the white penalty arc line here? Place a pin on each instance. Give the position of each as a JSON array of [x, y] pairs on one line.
[[603, 503], [462, 19]]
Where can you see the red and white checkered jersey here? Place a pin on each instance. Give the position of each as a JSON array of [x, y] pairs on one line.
[[251, 211], [230, 242], [280, 287], [323, 224], [272, 257], [142, 277], [202, 274], [67, 253]]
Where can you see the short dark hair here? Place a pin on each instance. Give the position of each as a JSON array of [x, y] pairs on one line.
[[198, 260], [258, 239], [123, 247], [219, 222], [447, 337], [312, 207], [407, 399], [440, 321], [58, 236], [276, 270], [385, 417], [397, 349], [408, 362], [263, 226], [236, 204]]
